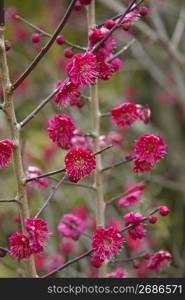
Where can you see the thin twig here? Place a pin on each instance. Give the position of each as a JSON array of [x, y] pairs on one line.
[[70, 262], [119, 163], [8, 200], [164, 182], [122, 195], [122, 50], [40, 106], [106, 114], [87, 186], [43, 32], [102, 150], [91, 250], [127, 259], [136, 223], [118, 16], [179, 29], [46, 175], [49, 198], [5, 249], [45, 49], [117, 25], [2, 14]]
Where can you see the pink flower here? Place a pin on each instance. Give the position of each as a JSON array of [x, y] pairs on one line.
[[39, 261], [159, 260], [52, 262], [81, 212], [164, 210], [134, 185], [150, 148], [116, 64], [144, 113], [109, 23], [152, 219], [102, 141], [105, 69], [79, 163], [32, 172], [67, 95], [6, 148], [142, 271], [114, 223], [79, 140], [107, 242], [85, 2], [119, 273], [49, 152], [71, 226], [134, 244], [96, 261], [132, 218], [97, 35], [136, 232], [19, 245], [38, 230], [82, 70], [130, 18], [22, 246], [130, 200], [141, 166], [125, 114], [67, 246], [116, 138], [61, 131]]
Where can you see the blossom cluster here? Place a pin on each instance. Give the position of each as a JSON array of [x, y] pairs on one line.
[[22, 245], [106, 242]]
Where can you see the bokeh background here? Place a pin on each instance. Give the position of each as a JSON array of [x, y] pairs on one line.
[[152, 73]]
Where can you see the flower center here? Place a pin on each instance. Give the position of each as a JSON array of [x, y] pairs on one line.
[[80, 163], [107, 241], [83, 69], [150, 148]]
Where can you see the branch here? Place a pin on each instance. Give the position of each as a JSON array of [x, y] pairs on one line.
[[117, 25], [15, 136], [46, 175], [49, 198], [122, 50], [179, 29], [119, 163], [2, 18], [63, 169], [122, 195], [5, 249], [106, 114], [91, 250], [136, 223], [119, 15], [8, 200], [45, 49], [102, 150], [40, 106], [43, 32], [72, 261], [87, 186]]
